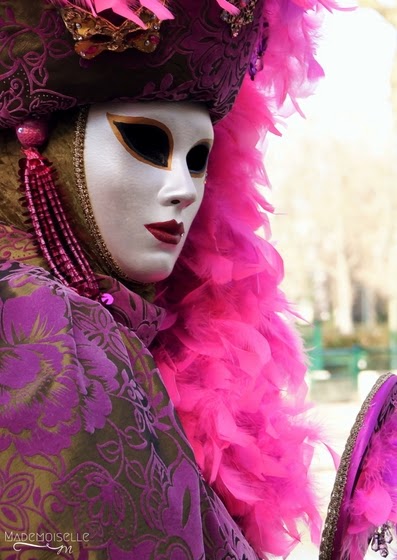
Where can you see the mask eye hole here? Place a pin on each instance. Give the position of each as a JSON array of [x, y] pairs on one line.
[[146, 141], [197, 159]]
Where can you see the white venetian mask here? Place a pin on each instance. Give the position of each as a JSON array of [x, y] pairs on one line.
[[145, 166]]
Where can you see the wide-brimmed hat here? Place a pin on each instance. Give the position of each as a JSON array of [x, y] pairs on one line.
[[57, 54]]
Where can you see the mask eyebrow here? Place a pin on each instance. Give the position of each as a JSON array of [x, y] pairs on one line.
[[145, 144]]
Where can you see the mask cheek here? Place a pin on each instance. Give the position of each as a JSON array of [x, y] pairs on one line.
[[200, 189], [150, 265]]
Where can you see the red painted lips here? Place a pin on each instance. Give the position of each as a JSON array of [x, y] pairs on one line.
[[168, 232]]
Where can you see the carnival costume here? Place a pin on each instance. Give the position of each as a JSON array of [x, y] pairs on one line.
[[195, 448]]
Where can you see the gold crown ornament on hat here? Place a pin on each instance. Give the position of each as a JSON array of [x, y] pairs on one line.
[[94, 34], [138, 27]]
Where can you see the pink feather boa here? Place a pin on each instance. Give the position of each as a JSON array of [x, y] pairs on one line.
[[374, 501], [232, 365]]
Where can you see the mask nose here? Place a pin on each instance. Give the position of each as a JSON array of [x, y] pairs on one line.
[[179, 190]]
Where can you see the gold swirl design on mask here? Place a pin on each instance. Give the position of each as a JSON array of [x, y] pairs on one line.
[[84, 197], [147, 291]]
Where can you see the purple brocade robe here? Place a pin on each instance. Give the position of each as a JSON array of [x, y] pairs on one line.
[[94, 462]]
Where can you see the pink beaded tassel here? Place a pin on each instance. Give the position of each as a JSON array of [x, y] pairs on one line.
[[57, 242]]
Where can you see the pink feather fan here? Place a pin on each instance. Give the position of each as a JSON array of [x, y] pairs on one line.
[[373, 502], [363, 509]]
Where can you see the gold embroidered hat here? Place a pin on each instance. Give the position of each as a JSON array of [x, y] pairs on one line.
[[56, 54]]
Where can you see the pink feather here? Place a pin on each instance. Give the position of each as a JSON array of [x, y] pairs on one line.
[[225, 5], [157, 8], [128, 8], [121, 7], [125, 8]]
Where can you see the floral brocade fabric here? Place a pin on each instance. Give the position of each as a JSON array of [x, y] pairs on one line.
[[94, 462]]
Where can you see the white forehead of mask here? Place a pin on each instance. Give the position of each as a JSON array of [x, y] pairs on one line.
[[125, 192]]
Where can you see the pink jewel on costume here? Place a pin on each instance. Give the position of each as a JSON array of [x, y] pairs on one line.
[[155, 39], [32, 133], [244, 17], [107, 299], [90, 52]]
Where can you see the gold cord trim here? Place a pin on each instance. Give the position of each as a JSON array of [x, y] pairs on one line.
[[331, 521], [84, 198]]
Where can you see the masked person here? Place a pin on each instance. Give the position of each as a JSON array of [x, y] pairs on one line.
[[151, 389]]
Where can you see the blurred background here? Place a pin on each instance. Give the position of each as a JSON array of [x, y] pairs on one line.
[[334, 178], [334, 186]]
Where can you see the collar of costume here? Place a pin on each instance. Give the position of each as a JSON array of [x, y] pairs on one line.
[[131, 310], [128, 308]]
